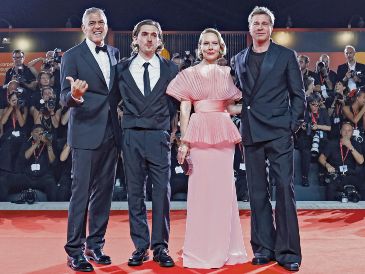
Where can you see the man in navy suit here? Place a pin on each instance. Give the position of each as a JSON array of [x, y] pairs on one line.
[[87, 77], [147, 111], [273, 104]]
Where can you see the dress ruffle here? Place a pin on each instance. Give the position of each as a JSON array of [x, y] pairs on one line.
[[211, 128]]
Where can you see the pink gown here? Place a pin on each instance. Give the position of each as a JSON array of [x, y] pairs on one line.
[[213, 235]]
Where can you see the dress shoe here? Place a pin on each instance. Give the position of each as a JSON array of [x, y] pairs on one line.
[[98, 256], [261, 259], [291, 266], [162, 257], [138, 257], [79, 263]]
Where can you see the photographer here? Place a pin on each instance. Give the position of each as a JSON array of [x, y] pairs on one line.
[[303, 61], [355, 112], [48, 114], [43, 81], [327, 77], [312, 134], [20, 72], [340, 158], [36, 158], [12, 121], [352, 72], [335, 110], [50, 64]]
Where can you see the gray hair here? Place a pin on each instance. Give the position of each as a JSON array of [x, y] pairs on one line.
[[91, 11], [351, 47], [262, 10]]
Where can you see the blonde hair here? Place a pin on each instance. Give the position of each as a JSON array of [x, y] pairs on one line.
[[222, 45]]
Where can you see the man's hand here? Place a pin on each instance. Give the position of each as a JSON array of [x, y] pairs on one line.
[[347, 142], [330, 169], [78, 87], [348, 74]]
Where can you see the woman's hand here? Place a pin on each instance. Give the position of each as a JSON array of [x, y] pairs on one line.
[[182, 152]]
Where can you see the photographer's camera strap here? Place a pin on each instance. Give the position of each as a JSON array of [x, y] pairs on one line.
[[342, 157], [36, 156]]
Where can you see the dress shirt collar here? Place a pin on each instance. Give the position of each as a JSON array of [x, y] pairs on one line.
[[154, 61], [92, 45]]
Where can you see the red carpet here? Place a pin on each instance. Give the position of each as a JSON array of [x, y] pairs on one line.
[[333, 241]]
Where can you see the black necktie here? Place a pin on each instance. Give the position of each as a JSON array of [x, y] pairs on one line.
[[146, 80], [103, 48]]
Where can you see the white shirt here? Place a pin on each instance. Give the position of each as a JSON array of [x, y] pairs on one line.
[[102, 59], [137, 69], [351, 84]]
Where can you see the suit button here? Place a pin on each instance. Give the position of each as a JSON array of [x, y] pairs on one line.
[[249, 107]]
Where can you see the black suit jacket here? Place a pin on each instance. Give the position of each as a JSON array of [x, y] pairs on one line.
[[343, 69], [88, 120], [272, 107], [154, 111]]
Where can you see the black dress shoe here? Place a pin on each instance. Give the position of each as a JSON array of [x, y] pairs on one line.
[[162, 257], [138, 257], [261, 259], [98, 256], [79, 263], [291, 266]]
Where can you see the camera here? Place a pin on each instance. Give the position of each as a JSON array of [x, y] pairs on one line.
[[356, 73], [19, 94], [332, 177], [28, 196], [315, 144], [338, 97], [57, 55], [349, 194], [18, 75], [51, 103], [48, 135], [187, 62]]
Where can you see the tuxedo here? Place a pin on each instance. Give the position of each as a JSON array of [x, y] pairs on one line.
[[93, 134], [273, 104], [146, 151]]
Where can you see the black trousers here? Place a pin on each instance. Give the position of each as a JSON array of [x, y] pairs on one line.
[[280, 240], [146, 153], [92, 190]]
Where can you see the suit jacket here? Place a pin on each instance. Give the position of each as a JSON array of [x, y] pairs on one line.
[[154, 111], [274, 104], [88, 120], [343, 69]]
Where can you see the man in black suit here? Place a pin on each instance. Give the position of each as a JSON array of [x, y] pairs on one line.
[[92, 135], [147, 109], [273, 103], [351, 72]]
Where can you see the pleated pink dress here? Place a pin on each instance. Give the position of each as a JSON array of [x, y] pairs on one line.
[[213, 235]]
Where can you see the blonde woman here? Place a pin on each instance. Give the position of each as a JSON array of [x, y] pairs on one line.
[[213, 231]]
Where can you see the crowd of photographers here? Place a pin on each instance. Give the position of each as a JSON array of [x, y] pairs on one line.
[[35, 155]]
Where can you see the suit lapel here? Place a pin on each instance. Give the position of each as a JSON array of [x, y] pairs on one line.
[[129, 80], [266, 66], [113, 61], [241, 69], [89, 58]]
